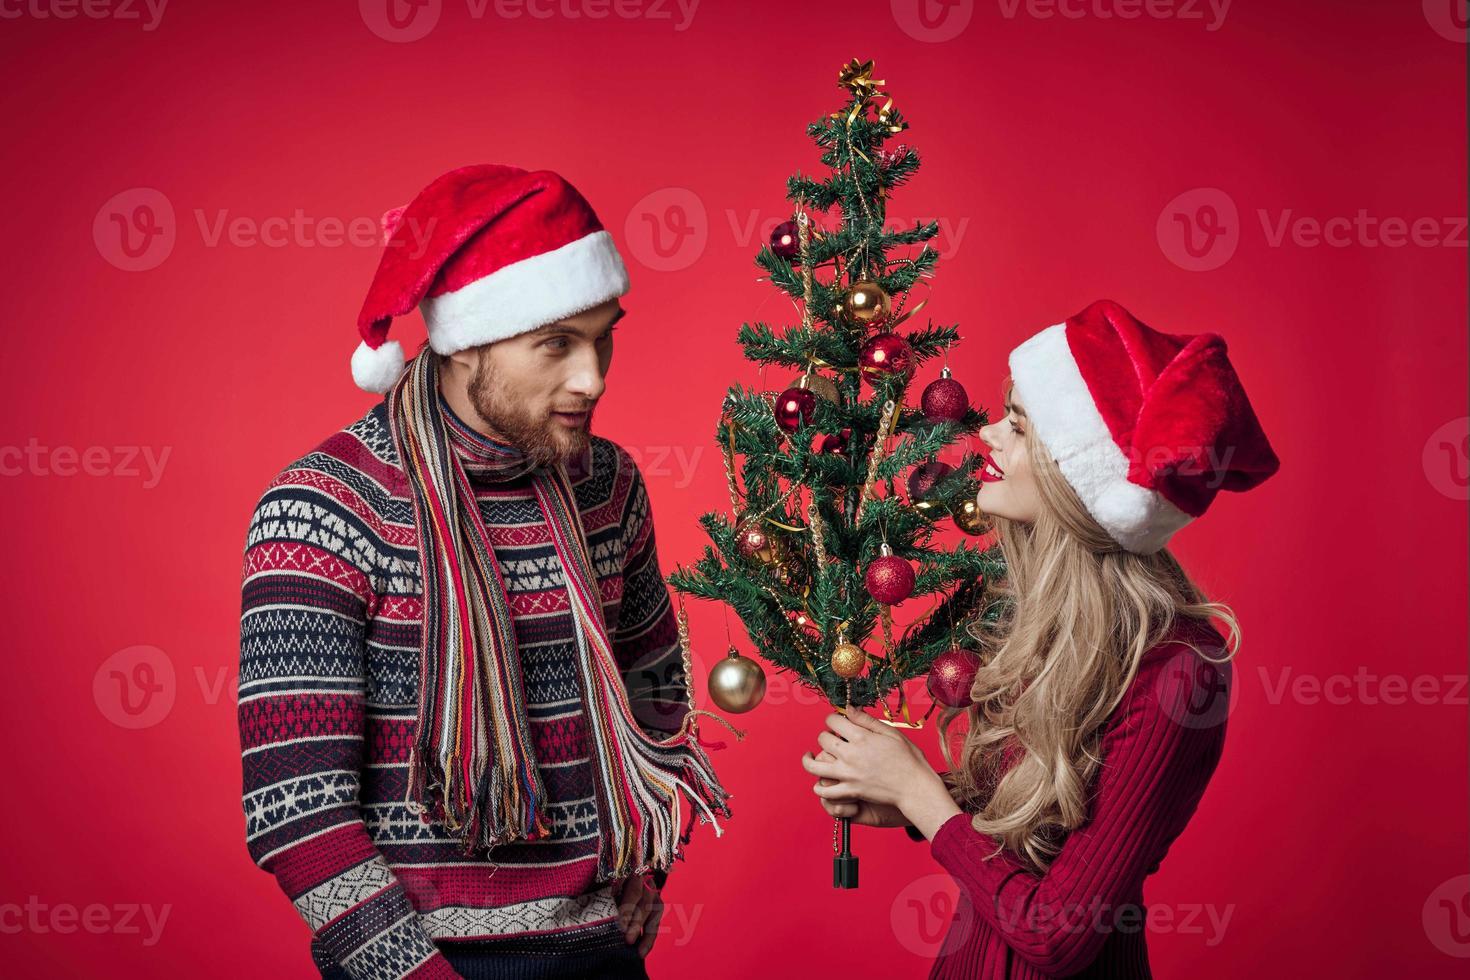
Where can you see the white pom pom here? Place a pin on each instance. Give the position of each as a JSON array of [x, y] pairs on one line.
[[376, 370]]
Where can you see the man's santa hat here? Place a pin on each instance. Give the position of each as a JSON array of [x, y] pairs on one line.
[[1145, 426], [486, 252]]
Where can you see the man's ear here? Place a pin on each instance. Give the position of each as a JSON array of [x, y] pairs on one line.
[[467, 359]]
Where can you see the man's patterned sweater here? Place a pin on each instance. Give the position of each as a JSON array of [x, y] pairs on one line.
[[329, 667]]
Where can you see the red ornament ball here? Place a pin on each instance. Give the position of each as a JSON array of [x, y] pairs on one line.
[[794, 408], [786, 241], [886, 354], [834, 444], [924, 478], [952, 675], [945, 400], [752, 541], [890, 579]]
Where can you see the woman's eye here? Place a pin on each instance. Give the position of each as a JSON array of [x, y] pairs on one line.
[[1016, 429], [557, 343]]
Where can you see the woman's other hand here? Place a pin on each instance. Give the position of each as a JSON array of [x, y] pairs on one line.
[[861, 811], [865, 763]]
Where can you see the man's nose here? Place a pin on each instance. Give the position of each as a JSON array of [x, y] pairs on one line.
[[587, 381]]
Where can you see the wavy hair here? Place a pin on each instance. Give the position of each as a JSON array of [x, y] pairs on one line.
[[1081, 612]]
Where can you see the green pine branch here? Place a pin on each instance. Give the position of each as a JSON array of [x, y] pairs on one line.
[[779, 471]]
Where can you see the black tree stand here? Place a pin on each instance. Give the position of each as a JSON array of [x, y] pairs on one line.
[[845, 864]]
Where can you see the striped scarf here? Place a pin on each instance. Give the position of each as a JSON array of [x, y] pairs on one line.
[[472, 765]]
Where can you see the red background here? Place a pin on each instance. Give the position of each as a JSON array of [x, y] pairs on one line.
[[1058, 142]]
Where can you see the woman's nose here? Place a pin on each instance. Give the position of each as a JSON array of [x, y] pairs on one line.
[[985, 435]]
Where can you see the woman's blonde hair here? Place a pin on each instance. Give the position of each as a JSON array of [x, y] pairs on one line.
[[1081, 614]]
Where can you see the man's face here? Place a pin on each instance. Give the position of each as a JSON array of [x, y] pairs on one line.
[[537, 390]]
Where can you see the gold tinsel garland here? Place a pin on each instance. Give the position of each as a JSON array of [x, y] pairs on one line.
[[886, 425]]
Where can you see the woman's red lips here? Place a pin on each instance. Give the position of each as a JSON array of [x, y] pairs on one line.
[[991, 473]]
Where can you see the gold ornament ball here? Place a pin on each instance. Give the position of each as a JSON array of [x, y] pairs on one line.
[[866, 303], [819, 385], [968, 517], [848, 660], [737, 683]]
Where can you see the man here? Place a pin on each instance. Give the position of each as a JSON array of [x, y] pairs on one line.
[[462, 701]]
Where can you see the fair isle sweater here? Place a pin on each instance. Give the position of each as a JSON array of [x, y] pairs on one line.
[[329, 666]]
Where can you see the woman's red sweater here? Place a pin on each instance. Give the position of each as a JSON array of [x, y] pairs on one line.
[[1085, 916]]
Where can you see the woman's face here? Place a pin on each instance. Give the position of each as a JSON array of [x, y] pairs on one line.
[[1007, 484]]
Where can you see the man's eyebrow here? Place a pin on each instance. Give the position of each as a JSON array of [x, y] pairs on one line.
[[559, 327]]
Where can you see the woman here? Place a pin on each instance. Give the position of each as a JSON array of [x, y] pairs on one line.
[[1099, 706]]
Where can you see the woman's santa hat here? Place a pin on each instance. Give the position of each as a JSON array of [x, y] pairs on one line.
[[485, 252], [1145, 426]]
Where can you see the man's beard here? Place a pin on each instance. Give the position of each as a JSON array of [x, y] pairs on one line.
[[545, 441]]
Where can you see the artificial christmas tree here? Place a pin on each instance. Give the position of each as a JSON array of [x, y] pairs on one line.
[[819, 546]]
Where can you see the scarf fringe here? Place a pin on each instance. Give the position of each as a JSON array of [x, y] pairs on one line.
[[649, 774]]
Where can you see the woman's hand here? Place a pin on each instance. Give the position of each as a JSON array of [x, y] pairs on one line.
[[872, 763], [861, 811]]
